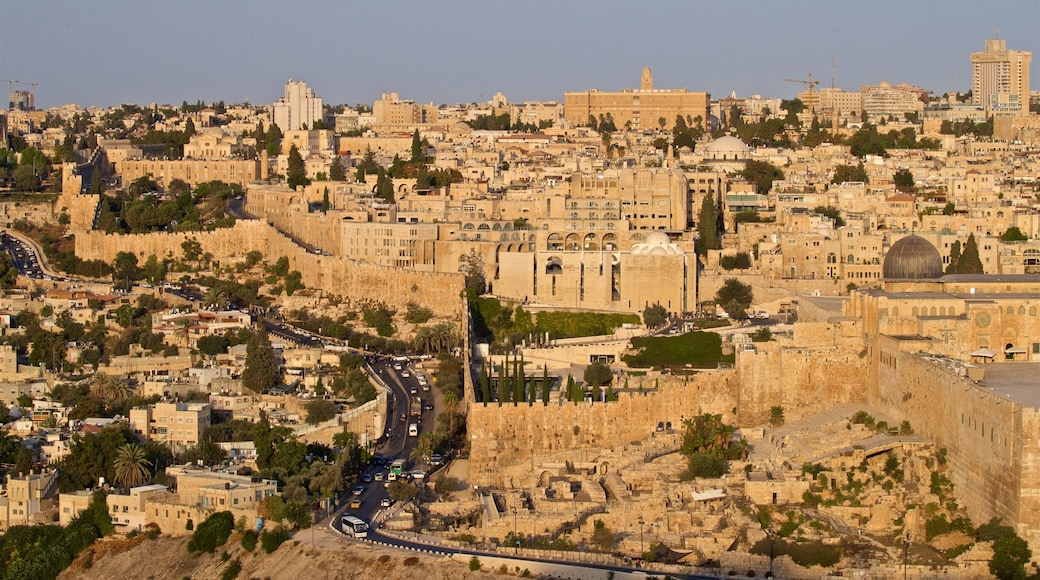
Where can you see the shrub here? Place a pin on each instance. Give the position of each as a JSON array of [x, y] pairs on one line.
[[212, 533], [232, 570], [249, 538], [271, 539], [474, 564]]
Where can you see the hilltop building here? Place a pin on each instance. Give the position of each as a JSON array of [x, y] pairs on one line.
[[638, 109], [300, 108]]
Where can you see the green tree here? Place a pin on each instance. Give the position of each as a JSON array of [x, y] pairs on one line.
[[336, 170], [955, 257], [904, 180], [949, 208], [26, 178], [261, 368], [849, 173], [131, 466], [654, 315], [125, 270], [417, 155], [154, 271], [969, 262], [597, 375], [320, 410], [473, 266], [296, 173], [189, 129], [708, 226], [735, 298], [603, 537], [761, 173], [776, 415], [831, 212], [1013, 234], [1010, 556]]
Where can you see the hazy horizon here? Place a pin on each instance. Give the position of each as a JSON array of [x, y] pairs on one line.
[[466, 51]]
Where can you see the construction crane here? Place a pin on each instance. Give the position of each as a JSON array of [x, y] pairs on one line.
[[33, 94], [811, 83], [10, 86]]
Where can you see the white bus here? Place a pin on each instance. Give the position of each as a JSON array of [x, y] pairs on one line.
[[354, 526]]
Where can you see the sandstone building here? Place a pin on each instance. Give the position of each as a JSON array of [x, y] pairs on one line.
[[640, 109]]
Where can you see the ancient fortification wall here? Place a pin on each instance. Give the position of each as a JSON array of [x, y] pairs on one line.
[[992, 442], [350, 279], [507, 434], [802, 380]]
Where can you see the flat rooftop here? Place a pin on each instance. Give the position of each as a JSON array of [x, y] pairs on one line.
[[1019, 382]]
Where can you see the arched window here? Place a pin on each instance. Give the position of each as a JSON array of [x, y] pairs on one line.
[[590, 244], [496, 228], [831, 258], [467, 227], [554, 266], [851, 259], [483, 227], [573, 243], [554, 242], [610, 242]]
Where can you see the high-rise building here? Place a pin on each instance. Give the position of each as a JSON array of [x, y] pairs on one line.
[[1000, 78], [298, 109], [21, 101]]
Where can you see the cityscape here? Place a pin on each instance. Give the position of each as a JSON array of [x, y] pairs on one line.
[[628, 332]]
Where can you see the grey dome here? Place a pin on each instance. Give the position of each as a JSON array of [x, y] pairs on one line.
[[912, 258]]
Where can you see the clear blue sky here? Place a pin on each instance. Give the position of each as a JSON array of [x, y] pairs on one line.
[[108, 52]]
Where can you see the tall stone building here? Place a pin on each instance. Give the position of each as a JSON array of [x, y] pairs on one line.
[[1000, 77], [637, 109], [298, 109]]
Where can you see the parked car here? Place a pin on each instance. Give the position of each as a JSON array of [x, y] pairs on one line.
[[358, 490], [386, 502]]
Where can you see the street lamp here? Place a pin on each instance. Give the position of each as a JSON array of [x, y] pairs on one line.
[[906, 551], [769, 533], [640, 539], [515, 536]]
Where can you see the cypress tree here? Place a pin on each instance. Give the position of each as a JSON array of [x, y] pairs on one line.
[[545, 385], [969, 262], [708, 226]]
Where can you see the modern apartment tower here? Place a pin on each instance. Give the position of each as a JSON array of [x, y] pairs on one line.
[[298, 109], [1000, 78]]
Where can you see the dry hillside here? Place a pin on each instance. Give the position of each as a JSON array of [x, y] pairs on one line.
[[331, 558]]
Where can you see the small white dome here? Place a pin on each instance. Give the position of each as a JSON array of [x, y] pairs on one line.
[[727, 144]]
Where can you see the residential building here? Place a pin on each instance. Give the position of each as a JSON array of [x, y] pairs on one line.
[[300, 108], [27, 498], [178, 425]]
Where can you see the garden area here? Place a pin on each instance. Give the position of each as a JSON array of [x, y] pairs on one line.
[[702, 350]]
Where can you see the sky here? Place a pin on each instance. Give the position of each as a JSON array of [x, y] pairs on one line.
[[108, 52]]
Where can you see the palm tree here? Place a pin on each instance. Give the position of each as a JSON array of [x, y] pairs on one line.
[[131, 466], [184, 325], [425, 338], [423, 448], [451, 404], [113, 390]]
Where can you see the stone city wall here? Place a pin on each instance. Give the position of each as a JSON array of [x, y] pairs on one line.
[[993, 443], [338, 276], [508, 434], [802, 380]]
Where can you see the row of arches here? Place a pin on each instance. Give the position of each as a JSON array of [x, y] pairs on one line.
[[576, 242], [495, 227]]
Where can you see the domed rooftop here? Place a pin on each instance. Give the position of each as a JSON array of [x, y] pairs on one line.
[[727, 144], [912, 258], [656, 244]]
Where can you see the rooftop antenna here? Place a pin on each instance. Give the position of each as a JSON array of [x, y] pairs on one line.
[[832, 71]]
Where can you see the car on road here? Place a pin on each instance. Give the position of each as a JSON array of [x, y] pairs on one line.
[[404, 417], [366, 478], [397, 367], [436, 459], [427, 407], [762, 315], [386, 502], [358, 490], [413, 391], [406, 374], [355, 504], [380, 476]]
